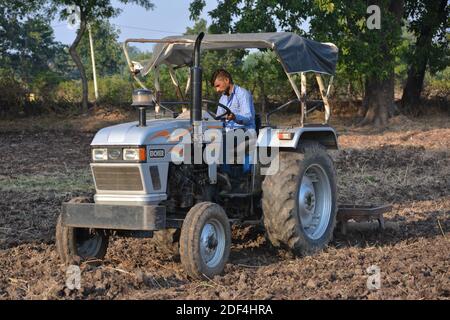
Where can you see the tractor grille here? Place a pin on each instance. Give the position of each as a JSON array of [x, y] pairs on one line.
[[118, 178]]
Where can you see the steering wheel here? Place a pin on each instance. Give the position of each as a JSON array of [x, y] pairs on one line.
[[222, 116]]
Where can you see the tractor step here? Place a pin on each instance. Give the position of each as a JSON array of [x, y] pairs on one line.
[[361, 213]]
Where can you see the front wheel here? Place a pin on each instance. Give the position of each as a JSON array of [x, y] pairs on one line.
[[205, 240], [88, 244]]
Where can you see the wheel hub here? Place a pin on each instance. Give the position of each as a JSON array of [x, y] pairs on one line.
[[314, 201], [208, 242], [88, 242], [307, 199]]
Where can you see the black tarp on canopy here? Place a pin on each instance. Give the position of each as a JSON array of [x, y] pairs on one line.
[[296, 53]]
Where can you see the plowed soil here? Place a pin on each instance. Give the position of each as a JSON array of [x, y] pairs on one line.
[[406, 164]]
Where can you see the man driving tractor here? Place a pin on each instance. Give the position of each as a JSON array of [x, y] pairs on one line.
[[142, 191], [237, 99]]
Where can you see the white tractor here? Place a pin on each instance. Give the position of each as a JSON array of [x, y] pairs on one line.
[[152, 178]]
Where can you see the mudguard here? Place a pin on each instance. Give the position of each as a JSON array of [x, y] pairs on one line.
[[324, 134]]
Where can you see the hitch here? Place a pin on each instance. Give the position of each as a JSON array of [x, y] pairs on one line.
[[361, 213]]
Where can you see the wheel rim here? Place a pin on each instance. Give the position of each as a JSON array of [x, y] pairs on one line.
[[212, 243], [88, 242], [315, 201]]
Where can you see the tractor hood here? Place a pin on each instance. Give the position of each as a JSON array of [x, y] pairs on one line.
[[130, 134], [157, 131]]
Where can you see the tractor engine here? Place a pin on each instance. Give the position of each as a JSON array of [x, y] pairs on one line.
[[187, 185]]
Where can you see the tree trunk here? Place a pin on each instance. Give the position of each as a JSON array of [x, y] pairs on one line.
[[379, 93], [411, 93], [416, 73], [76, 58], [377, 98]]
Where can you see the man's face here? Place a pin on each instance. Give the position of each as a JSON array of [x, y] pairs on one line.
[[222, 85]]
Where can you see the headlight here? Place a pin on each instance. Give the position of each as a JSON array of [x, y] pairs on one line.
[[99, 154], [134, 154], [114, 154]]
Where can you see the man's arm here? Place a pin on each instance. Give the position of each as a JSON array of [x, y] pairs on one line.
[[246, 116], [220, 110]]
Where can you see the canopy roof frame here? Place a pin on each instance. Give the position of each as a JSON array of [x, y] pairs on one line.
[[171, 41]]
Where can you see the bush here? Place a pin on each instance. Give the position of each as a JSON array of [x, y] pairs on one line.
[[69, 91], [113, 90], [12, 95], [437, 85]]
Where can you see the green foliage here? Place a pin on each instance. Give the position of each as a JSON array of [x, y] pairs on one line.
[[68, 91], [438, 84], [96, 10], [199, 26], [12, 94], [196, 8], [27, 45], [265, 77], [259, 72], [256, 16], [402, 58], [107, 50], [362, 52], [89, 12], [113, 90], [424, 16], [32, 62]]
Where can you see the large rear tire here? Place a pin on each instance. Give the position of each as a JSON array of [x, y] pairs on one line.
[[299, 201], [205, 240], [88, 244]]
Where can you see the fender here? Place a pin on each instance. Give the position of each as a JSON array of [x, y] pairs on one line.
[[324, 134]]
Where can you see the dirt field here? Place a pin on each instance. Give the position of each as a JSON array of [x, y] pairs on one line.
[[406, 164]]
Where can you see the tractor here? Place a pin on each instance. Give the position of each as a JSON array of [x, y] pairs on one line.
[[152, 178]]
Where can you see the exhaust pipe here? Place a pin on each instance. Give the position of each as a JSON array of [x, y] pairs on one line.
[[196, 80]]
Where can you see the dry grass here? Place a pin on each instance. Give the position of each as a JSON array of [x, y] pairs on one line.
[[92, 121]]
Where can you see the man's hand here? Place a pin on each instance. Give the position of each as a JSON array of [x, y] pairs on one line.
[[231, 116]]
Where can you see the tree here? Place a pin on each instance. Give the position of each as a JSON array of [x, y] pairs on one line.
[[212, 60], [90, 11], [429, 23], [29, 55], [265, 76], [108, 51], [260, 71], [367, 54], [27, 44], [254, 16], [199, 26], [363, 53]]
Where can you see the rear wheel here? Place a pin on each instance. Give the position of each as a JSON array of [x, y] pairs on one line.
[[299, 202], [88, 244], [205, 240]]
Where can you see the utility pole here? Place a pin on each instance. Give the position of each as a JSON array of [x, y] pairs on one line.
[[94, 73]]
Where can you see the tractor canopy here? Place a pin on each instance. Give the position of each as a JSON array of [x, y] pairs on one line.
[[296, 54]]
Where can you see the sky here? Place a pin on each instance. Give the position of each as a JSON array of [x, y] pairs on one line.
[[169, 17]]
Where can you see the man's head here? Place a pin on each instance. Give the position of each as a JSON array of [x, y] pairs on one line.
[[222, 81]]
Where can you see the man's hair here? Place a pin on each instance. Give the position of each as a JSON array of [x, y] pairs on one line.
[[221, 74]]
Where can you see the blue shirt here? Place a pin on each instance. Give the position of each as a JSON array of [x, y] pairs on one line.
[[240, 102]]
